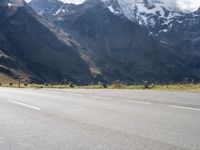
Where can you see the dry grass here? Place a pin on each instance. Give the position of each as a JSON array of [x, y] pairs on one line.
[[172, 87], [6, 79], [179, 87]]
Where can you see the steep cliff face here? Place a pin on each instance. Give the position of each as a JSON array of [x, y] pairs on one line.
[[37, 49], [125, 48], [99, 40]]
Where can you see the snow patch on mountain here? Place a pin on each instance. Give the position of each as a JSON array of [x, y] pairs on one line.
[[158, 16], [127, 8], [59, 11], [149, 13], [12, 3]]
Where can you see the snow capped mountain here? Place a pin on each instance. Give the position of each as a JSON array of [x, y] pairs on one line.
[[157, 15], [141, 10], [150, 29], [127, 8]]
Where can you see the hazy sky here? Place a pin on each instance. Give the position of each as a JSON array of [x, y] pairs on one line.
[[188, 5]]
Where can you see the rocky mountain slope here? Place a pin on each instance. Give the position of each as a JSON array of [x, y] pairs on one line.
[[33, 49], [99, 40], [131, 40]]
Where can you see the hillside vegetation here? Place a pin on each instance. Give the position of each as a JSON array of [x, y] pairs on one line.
[[8, 82], [4, 79]]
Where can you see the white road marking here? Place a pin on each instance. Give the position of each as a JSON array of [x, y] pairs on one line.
[[25, 105], [147, 103], [101, 97], [181, 107], [76, 94]]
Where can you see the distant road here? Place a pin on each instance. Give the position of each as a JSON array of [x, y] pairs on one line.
[[82, 119]]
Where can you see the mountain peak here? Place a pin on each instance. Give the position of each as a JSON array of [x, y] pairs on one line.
[[13, 3], [149, 4]]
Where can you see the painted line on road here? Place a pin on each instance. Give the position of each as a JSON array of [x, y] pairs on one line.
[[181, 107], [25, 105], [101, 97], [140, 102], [76, 94]]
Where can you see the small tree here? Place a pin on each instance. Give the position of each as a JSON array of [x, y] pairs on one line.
[[64, 81], [99, 83], [146, 84], [71, 85]]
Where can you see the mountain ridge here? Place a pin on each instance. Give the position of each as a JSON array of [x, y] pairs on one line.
[[81, 22], [49, 41], [44, 52]]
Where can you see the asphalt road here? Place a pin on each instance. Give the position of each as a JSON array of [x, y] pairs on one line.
[[53, 119]]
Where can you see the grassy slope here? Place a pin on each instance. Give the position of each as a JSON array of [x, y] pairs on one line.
[[4, 79]]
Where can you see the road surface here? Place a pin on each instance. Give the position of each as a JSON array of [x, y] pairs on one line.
[[82, 119]]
